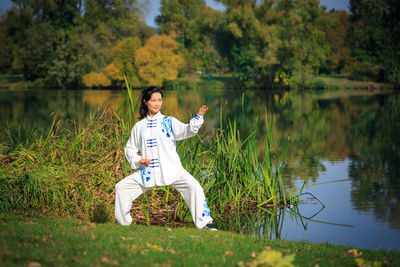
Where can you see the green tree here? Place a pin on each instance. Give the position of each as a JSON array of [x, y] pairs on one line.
[[123, 54], [175, 16], [77, 54], [339, 59], [188, 21], [199, 51], [261, 39], [248, 38], [375, 37], [303, 46]]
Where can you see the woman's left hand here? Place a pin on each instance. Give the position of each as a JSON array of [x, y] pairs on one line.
[[203, 109]]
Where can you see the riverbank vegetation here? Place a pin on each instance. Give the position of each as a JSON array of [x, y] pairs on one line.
[[62, 242], [262, 44], [71, 169]]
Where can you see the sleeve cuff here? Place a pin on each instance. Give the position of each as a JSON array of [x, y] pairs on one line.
[[197, 116]]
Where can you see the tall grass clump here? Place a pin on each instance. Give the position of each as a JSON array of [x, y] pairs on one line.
[[65, 171]]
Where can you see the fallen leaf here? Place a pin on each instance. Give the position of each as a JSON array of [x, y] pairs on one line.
[[8, 252], [106, 260], [229, 253], [46, 238], [59, 257], [123, 237], [253, 254], [267, 248], [240, 263], [75, 259], [84, 253], [181, 254], [169, 229], [34, 264], [352, 253], [195, 237], [92, 236], [92, 225]]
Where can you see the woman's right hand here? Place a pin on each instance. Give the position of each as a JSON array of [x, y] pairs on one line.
[[145, 162]]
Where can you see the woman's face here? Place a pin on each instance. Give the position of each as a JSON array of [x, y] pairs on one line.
[[154, 104]]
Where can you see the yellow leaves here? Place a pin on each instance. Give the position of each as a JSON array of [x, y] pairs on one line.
[[352, 253], [114, 73], [363, 263], [229, 253], [271, 258], [94, 79], [235, 30], [158, 60], [360, 262]]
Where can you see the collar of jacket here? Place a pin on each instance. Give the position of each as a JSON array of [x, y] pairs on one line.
[[157, 116]]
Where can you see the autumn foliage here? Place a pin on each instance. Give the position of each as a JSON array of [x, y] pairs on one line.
[[158, 59], [94, 79]]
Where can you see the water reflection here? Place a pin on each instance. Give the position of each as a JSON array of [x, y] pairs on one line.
[[362, 131]]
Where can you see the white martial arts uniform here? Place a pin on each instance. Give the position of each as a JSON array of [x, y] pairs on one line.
[[155, 138]]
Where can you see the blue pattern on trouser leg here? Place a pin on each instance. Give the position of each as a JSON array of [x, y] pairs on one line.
[[145, 174], [206, 211]]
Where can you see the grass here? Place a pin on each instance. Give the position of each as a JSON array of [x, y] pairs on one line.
[[343, 82], [62, 242]]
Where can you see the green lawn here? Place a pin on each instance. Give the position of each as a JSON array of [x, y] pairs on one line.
[[62, 242]]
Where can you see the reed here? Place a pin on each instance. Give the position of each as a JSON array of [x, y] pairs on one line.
[[72, 171]]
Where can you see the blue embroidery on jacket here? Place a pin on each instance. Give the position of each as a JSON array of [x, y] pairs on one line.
[[206, 211], [145, 174], [154, 163], [151, 123], [197, 117], [151, 142], [166, 124]]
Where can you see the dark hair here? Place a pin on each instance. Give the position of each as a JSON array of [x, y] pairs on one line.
[[146, 96]]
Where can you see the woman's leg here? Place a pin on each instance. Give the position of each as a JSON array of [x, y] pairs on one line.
[[193, 194], [126, 191]]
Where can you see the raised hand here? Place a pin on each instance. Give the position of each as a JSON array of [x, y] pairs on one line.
[[203, 109]]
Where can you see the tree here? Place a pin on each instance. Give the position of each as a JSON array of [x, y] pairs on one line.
[[262, 39], [375, 36], [339, 59], [123, 54], [303, 48], [94, 79], [77, 54], [176, 15], [58, 42], [158, 59]]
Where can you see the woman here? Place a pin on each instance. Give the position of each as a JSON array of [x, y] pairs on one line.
[[155, 136]]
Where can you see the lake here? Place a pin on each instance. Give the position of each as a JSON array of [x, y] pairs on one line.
[[347, 149]]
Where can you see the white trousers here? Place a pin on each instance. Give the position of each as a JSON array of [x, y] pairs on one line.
[[128, 189]]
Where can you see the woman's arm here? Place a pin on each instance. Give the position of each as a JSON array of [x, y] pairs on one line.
[[132, 148], [183, 131]]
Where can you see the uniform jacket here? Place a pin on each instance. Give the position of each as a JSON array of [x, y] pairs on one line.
[[155, 138]]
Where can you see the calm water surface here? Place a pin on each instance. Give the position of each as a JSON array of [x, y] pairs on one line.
[[347, 149]]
